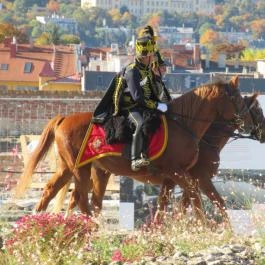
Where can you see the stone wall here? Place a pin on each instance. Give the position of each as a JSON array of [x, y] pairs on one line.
[[21, 114]]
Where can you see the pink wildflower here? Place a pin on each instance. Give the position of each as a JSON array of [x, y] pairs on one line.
[[117, 256]]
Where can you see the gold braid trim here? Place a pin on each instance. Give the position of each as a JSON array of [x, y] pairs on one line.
[[116, 94], [118, 90], [147, 89]]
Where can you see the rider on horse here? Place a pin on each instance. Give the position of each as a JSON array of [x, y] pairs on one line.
[[139, 95], [133, 94]]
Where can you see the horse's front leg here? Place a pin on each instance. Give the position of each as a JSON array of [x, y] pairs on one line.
[[100, 178], [83, 184], [210, 191], [164, 198]]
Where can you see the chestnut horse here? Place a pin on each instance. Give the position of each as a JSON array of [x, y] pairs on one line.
[[201, 173], [189, 116]]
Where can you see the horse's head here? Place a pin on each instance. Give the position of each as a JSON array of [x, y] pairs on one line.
[[244, 113], [235, 109], [256, 112]]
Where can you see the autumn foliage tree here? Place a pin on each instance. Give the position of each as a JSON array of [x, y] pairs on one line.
[[8, 30], [154, 21], [258, 28], [209, 38], [115, 16], [53, 6]]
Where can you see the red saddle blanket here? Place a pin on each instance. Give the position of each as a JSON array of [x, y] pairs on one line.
[[94, 145]]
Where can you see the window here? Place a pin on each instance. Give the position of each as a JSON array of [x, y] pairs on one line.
[[4, 66], [26, 88], [27, 67]]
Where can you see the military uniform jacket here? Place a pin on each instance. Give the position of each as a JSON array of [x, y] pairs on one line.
[[137, 90], [132, 88]]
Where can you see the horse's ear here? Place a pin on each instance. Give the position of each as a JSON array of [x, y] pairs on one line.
[[234, 81], [253, 100]]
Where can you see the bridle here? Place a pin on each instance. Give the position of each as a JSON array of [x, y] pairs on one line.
[[241, 110], [258, 119]]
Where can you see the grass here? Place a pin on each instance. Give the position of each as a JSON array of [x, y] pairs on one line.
[[50, 239], [36, 240]]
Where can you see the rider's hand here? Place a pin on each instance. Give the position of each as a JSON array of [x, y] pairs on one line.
[[162, 107]]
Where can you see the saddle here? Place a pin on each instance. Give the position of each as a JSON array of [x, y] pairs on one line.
[[99, 142]]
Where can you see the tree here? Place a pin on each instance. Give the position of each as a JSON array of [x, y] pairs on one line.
[[258, 28], [206, 26], [115, 16], [20, 7], [37, 29], [69, 39], [251, 55], [209, 38], [154, 21], [54, 32], [6, 16], [53, 6], [43, 39], [124, 9], [7, 30]]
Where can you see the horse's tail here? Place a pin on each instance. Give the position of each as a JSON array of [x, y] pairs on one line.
[[44, 144], [60, 197]]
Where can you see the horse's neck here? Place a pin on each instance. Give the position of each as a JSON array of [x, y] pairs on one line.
[[194, 113], [217, 137]]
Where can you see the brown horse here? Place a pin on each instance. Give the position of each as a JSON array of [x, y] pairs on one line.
[[201, 173], [188, 118]]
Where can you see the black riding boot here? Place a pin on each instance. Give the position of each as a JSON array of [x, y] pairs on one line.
[[138, 160]]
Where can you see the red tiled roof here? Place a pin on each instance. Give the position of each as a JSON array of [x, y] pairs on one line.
[[63, 61], [47, 70]]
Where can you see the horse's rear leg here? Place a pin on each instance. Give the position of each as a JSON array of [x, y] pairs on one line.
[[100, 179], [58, 180], [210, 191], [83, 184]]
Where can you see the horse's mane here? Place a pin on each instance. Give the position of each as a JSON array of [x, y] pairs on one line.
[[188, 104]]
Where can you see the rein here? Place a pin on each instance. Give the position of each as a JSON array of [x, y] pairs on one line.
[[236, 121], [235, 136]]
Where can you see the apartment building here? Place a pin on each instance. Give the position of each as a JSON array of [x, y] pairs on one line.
[[142, 7], [46, 67]]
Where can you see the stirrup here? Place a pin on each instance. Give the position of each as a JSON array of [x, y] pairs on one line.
[[138, 163], [145, 161]]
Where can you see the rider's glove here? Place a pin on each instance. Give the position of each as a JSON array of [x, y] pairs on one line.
[[162, 107]]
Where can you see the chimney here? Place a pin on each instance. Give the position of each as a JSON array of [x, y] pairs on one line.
[[13, 48], [196, 53]]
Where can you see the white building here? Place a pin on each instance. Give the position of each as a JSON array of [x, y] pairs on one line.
[[235, 37], [176, 35], [142, 7], [67, 24]]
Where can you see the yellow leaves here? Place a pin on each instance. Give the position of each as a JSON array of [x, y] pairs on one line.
[[251, 55], [209, 37], [43, 39], [7, 30], [115, 15]]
